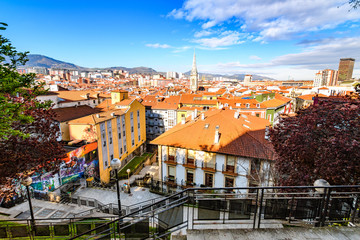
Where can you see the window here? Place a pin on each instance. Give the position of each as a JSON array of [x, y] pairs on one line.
[[171, 173], [132, 129], [230, 164], [138, 113], [229, 182], [121, 151], [125, 148], [258, 115], [183, 115], [93, 101], [112, 157], [209, 179], [124, 133], [172, 153], [209, 159], [119, 135], [138, 125], [191, 157], [247, 105], [189, 176], [132, 142], [78, 103], [139, 138], [104, 144], [110, 141]]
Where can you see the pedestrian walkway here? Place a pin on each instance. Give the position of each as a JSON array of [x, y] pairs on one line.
[[105, 196], [42, 210], [153, 170]]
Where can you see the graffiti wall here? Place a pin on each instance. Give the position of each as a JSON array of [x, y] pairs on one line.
[[72, 168]]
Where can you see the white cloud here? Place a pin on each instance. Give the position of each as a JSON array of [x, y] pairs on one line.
[[158, 45], [254, 57], [203, 33], [226, 38], [271, 19], [301, 65]]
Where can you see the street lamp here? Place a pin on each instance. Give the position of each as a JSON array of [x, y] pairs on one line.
[[115, 164], [128, 172], [27, 182]]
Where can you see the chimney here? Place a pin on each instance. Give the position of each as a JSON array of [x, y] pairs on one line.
[[183, 120], [217, 135], [195, 113], [203, 116], [236, 115], [98, 115], [112, 114]]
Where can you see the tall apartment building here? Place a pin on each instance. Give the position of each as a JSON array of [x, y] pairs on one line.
[[346, 67], [120, 132], [327, 77]]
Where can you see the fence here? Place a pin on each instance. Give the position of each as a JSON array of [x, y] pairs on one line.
[[255, 206]]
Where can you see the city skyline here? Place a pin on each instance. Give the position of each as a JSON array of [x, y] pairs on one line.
[[229, 36]]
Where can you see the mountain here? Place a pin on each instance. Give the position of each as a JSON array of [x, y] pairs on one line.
[[36, 60], [234, 76]]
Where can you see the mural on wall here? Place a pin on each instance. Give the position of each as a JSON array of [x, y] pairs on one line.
[[71, 169]]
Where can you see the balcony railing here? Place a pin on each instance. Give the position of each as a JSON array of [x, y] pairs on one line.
[[210, 167], [189, 163], [171, 160], [229, 170]]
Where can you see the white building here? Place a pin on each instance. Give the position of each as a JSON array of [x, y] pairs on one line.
[[219, 148]]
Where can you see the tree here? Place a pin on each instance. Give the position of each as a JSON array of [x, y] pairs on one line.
[[28, 130], [322, 141], [15, 89]]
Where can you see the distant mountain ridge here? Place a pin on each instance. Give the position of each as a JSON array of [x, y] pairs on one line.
[[37, 60]]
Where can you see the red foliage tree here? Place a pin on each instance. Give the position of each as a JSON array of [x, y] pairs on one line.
[[40, 151], [322, 141]]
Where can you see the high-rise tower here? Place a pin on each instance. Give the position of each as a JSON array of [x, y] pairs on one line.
[[346, 68], [194, 76]]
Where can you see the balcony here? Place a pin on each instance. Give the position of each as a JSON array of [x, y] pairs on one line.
[[229, 170], [209, 167], [171, 160], [189, 163]]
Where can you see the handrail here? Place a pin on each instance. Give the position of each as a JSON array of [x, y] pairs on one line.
[[186, 191]]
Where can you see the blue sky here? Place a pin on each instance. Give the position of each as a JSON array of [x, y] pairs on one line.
[[282, 39]]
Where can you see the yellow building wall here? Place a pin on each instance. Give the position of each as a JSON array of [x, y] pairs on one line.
[[105, 173], [65, 134], [81, 132]]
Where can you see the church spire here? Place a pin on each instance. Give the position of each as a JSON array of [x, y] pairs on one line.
[[194, 69], [194, 76]]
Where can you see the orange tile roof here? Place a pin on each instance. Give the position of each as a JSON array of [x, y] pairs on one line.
[[69, 113], [310, 96], [243, 136], [273, 103], [94, 119]]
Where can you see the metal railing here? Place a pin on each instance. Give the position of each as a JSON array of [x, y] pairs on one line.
[[255, 206]]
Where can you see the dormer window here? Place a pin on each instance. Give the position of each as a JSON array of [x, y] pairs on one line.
[[238, 104], [247, 105], [258, 105]]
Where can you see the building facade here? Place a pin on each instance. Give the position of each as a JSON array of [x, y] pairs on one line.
[[346, 68], [220, 148]]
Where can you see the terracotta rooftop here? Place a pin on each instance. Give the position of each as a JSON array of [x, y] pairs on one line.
[[242, 136], [310, 96], [70, 113], [96, 118]]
